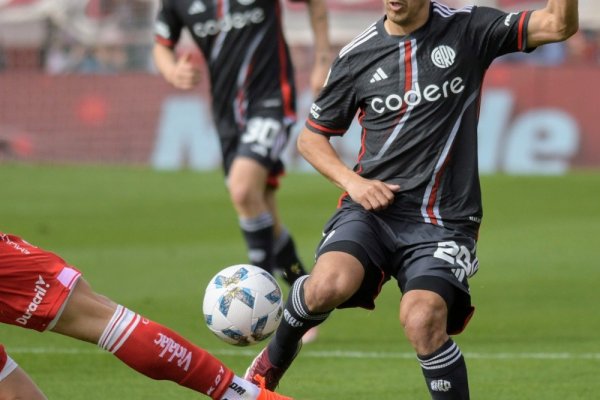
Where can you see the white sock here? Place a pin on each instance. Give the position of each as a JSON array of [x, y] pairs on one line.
[[241, 389]]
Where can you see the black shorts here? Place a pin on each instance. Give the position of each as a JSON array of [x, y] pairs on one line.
[[417, 254], [263, 139]]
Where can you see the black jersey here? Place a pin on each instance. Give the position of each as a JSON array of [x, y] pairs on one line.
[[248, 59], [417, 98]]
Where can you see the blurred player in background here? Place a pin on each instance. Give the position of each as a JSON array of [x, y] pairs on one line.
[[253, 103], [412, 204], [40, 291]]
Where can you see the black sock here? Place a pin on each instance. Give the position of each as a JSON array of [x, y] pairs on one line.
[[297, 320], [287, 258], [445, 373], [258, 233]]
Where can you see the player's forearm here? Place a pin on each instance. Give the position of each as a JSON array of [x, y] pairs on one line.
[[566, 13], [319, 22], [558, 21], [165, 61], [317, 150]]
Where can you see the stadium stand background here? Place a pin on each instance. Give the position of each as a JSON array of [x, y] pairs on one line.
[[77, 85]]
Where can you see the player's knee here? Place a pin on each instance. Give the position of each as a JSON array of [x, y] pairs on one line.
[[423, 315], [322, 295], [244, 197]]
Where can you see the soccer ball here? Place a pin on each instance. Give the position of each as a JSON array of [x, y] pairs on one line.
[[243, 305]]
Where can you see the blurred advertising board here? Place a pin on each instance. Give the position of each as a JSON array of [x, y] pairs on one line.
[[533, 120]]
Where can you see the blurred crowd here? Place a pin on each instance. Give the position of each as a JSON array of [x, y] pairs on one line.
[[112, 36], [74, 36]]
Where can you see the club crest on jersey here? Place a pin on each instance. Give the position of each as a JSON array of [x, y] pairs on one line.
[[443, 56]]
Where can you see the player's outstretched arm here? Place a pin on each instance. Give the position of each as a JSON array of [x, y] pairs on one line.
[[371, 194], [319, 22], [558, 21]]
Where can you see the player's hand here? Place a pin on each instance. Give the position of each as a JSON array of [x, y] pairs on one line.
[[184, 75], [373, 195]]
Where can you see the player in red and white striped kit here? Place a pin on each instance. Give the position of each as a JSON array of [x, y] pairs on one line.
[[40, 291]]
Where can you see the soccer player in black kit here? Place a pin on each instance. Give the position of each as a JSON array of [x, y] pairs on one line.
[[253, 103], [412, 205]]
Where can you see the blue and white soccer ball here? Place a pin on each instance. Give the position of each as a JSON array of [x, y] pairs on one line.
[[243, 305]]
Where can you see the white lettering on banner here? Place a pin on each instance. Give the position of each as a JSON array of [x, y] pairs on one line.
[[539, 141]]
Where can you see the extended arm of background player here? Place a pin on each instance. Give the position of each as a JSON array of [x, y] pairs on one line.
[[179, 72], [319, 21]]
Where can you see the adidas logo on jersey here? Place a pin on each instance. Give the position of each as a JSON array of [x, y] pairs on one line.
[[197, 7], [379, 75]]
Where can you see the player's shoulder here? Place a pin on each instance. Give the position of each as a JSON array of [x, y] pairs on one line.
[[363, 42], [468, 12], [446, 13], [464, 19]]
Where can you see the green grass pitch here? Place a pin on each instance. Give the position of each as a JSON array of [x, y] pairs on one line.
[[151, 240]]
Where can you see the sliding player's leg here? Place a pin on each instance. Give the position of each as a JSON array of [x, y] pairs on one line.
[[40, 291]]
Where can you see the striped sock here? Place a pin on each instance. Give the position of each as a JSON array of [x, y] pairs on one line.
[[160, 353], [445, 372], [296, 322]]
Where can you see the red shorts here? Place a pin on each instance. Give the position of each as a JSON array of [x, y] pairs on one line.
[[34, 284]]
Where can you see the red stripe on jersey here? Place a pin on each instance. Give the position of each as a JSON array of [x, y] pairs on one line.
[[165, 42], [241, 96], [363, 139], [220, 9], [408, 77], [520, 40], [286, 87], [433, 195], [325, 130], [431, 201], [408, 72]]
